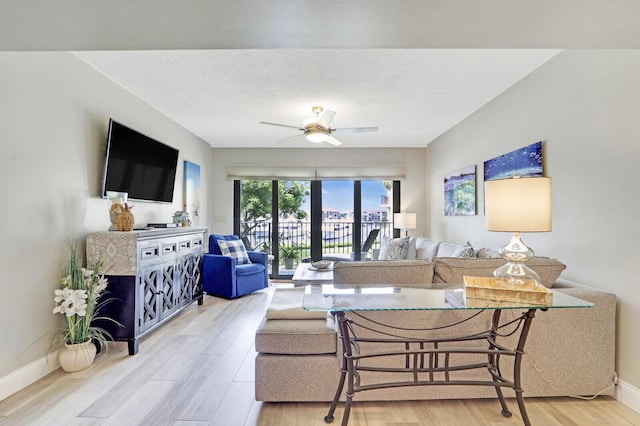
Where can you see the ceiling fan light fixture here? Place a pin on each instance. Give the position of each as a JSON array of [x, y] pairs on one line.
[[309, 122], [317, 136], [318, 129]]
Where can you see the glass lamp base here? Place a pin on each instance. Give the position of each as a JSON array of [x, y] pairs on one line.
[[516, 253], [517, 273]]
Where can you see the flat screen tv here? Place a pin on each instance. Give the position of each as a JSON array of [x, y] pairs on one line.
[[138, 165]]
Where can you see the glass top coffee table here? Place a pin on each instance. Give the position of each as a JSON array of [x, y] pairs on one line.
[[426, 358]]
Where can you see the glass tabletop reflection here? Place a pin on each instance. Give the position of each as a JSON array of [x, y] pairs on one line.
[[327, 297]]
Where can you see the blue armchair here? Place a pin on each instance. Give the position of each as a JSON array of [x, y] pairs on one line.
[[223, 277]]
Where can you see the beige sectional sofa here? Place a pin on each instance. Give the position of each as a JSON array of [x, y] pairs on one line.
[[568, 352]]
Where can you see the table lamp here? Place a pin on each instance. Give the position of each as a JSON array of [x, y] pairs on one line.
[[518, 205], [404, 221]]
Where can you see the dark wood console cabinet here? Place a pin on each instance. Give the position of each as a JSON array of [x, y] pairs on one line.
[[152, 276]]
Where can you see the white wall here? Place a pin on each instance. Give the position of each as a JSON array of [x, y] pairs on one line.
[[585, 107], [412, 187], [54, 114]]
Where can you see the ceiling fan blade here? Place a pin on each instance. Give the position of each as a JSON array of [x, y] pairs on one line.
[[326, 118], [355, 130], [282, 125], [333, 141], [290, 138]]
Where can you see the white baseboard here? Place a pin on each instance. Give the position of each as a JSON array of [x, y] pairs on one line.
[[28, 374], [628, 395]]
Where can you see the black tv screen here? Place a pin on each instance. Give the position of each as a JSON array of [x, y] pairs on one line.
[[138, 165]]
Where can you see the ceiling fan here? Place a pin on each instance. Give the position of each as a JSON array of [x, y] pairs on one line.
[[318, 129]]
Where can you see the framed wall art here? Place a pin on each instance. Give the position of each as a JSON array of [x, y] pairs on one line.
[[191, 191], [525, 162], [460, 192]]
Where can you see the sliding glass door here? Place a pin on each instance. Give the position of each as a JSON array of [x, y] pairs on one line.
[[294, 228], [337, 219], [299, 221], [377, 214], [271, 217]]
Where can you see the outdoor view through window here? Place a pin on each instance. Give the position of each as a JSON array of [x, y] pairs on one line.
[[294, 218]]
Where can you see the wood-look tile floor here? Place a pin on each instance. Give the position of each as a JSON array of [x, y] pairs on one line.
[[198, 369]]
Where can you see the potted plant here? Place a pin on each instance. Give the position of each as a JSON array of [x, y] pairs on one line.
[[290, 253], [78, 300]]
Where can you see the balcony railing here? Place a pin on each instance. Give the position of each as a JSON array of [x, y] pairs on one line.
[[337, 236]]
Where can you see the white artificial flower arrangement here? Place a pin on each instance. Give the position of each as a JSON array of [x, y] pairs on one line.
[[79, 301]]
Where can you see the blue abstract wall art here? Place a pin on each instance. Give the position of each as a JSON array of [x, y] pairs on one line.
[[525, 162]]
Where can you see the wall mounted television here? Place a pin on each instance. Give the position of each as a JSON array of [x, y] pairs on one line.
[[138, 165]]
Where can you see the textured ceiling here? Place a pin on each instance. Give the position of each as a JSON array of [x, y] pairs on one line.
[[413, 96]]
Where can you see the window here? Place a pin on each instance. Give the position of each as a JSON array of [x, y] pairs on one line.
[[296, 221]]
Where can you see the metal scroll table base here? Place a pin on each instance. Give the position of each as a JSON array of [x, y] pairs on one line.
[[430, 360]]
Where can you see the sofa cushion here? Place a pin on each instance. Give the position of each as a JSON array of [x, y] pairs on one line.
[[235, 249], [297, 337], [249, 269], [409, 273], [394, 248], [451, 270], [287, 304]]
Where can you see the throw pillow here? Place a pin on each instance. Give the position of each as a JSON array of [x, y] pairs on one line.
[[412, 248], [394, 248], [426, 248], [235, 249], [487, 253], [465, 251], [446, 249]]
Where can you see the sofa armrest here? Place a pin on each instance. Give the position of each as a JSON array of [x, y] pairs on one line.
[[258, 257], [220, 261], [573, 349], [586, 293], [219, 274]]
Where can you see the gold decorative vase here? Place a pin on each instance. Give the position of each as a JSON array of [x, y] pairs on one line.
[[116, 202]]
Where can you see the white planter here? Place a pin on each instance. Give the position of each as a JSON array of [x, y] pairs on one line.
[[76, 357]]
